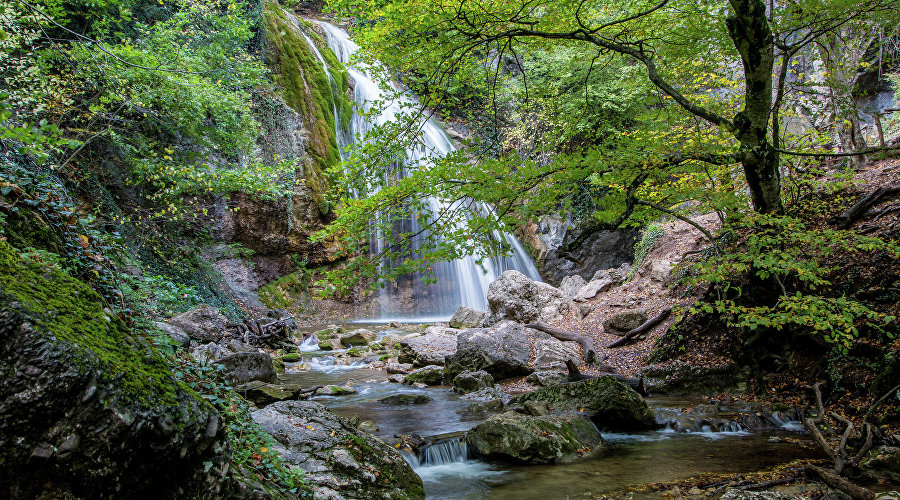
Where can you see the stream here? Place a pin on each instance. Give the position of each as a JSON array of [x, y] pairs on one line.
[[681, 449]]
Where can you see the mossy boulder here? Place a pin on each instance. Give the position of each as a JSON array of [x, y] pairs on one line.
[[883, 463], [468, 381], [548, 439], [328, 333], [87, 408], [358, 337], [358, 351], [336, 390], [430, 375], [291, 357], [611, 404], [339, 459], [262, 394], [242, 367], [405, 399]]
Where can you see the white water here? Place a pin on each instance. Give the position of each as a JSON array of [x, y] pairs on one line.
[[311, 344], [459, 282]]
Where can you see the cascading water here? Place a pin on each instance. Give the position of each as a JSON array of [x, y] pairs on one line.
[[459, 282]]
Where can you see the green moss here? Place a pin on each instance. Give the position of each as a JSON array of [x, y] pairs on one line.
[[283, 292], [306, 88], [291, 357], [65, 308]]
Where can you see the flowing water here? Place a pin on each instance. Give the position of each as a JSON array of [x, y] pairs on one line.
[[687, 445], [460, 282]]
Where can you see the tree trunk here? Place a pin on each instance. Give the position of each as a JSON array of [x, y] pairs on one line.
[[749, 29]]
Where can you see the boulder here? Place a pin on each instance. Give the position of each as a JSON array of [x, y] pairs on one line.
[[622, 322], [179, 336], [552, 354], [661, 270], [503, 351], [358, 337], [590, 290], [429, 375], [336, 390], [616, 275], [513, 296], [203, 324], [242, 367], [466, 317], [468, 381], [547, 378], [340, 461], [883, 463], [396, 378], [401, 368], [210, 353], [405, 399], [262, 394], [529, 439], [430, 348], [611, 404], [571, 285], [87, 408]]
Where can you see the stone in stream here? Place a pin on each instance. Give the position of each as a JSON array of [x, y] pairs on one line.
[[358, 337], [340, 461], [396, 378], [405, 399], [625, 321], [429, 375], [262, 394], [329, 333], [430, 348], [336, 390], [611, 404], [513, 296], [503, 352], [401, 368], [466, 317], [242, 367], [468, 381], [546, 439]]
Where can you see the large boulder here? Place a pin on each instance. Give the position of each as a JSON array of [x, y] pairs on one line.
[[430, 348], [88, 410], [611, 404], [468, 381], [602, 281], [622, 322], [571, 285], [428, 375], [552, 354], [616, 274], [340, 461], [547, 378], [262, 393], [503, 351], [513, 296], [466, 317], [179, 336], [242, 367], [548, 439], [203, 324]]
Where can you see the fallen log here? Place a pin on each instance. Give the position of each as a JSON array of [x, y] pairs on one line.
[[856, 212], [631, 335], [587, 344], [839, 483]]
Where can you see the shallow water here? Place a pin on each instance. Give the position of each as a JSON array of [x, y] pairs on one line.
[[630, 458]]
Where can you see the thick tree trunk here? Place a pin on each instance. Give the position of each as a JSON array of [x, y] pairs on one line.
[[749, 29]]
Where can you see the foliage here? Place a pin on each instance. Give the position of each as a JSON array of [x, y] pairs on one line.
[[774, 278], [649, 236]]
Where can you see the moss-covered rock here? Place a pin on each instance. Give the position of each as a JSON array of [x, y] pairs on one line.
[[430, 375], [291, 357], [262, 394], [535, 439], [610, 404], [88, 409]]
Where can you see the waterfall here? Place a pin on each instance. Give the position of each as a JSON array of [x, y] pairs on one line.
[[448, 451], [461, 281]]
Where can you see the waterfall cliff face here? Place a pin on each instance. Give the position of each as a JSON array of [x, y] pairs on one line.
[[459, 282]]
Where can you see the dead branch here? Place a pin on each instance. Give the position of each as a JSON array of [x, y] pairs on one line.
[[587, 344], [837, 482], [631, 335], [856, 212]]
